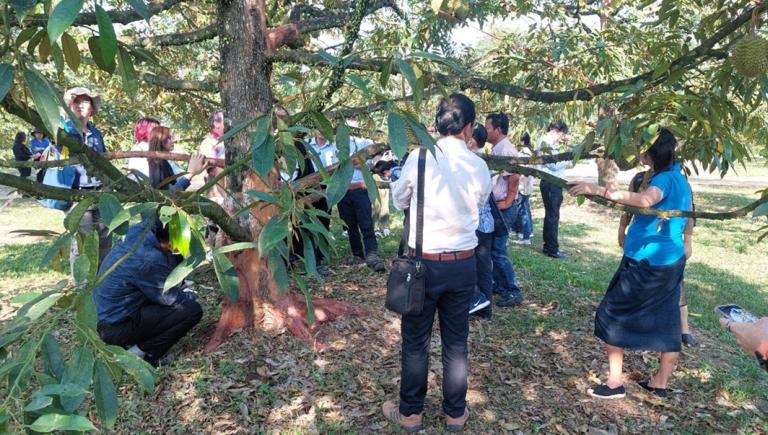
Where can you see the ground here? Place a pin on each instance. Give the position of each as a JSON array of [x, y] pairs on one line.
[[529, 369]]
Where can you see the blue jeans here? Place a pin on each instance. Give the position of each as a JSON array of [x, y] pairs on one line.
[[524, 221], [504, 281], [449, 289]]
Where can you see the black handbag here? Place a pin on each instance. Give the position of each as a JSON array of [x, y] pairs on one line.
[[499, 224], [405, 285]]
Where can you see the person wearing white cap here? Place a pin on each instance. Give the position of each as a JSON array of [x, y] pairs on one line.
[[84, 103]]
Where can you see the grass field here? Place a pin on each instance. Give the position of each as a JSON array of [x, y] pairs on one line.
[[530, 366]]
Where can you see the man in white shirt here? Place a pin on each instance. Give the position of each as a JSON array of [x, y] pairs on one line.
[[457, 183], [551, 194]]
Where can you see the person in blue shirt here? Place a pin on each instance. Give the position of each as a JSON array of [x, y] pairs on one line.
[[640, 309], [133, 310], [39, 142]]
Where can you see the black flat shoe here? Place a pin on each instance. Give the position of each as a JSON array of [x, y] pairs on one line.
[[659, 392], [560, 255], [688, 340], [605, 392]]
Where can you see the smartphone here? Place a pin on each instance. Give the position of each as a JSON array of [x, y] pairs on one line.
[[735, 313]]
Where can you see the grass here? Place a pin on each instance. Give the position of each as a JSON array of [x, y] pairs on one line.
[[529, 367]]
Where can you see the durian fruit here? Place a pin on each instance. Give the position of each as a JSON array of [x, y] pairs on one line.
[[750, 56]]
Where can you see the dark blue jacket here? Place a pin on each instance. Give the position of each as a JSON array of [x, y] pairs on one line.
[[138, 280]]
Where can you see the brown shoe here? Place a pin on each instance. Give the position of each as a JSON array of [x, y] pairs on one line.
[[456, 424], [391, 410]]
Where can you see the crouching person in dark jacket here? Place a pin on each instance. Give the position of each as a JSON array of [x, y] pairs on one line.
[[133, 311]]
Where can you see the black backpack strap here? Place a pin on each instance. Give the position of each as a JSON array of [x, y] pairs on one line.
[[401, 250]]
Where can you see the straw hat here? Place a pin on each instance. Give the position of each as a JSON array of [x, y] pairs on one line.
[[73, 93]]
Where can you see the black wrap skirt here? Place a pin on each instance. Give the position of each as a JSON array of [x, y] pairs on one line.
[[641, 309]]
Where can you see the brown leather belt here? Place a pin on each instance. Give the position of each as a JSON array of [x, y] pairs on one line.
[[444, 256], [358, 185]]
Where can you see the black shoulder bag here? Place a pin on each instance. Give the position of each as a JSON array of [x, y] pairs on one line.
[[405, 285]]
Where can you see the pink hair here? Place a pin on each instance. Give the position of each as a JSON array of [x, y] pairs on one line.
[[143, 128]]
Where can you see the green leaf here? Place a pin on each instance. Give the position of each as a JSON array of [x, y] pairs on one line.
[[166, 214], [302, 285], [141, 8], [342, 141], [38, 402], [107, 37], [309, 253], [44, 49], [262, 131], [761, 210], [62, 16], [85, 318], [407, 70], [79, 371], [72, 220], [426, 140], [105, 395], [25, 35], [109, 207], [25, 297], [47, 100], [580, 199], [279, 270], [35, 41], [81, 269], [386, 71], [71, 51], [322, 124], [6, 79], [339, 182], [21, 7], [235, 247], [274, 232], [95, 47], [264, 157], [127, 72], [180, 233], [436, 5], [53, 360], [398, 137], [58, 58], [137, 368], [61, 422], [62, 390], [225, 272], [34, 311], [370, 183]]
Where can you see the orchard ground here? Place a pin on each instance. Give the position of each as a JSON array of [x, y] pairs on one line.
[[530, 366]]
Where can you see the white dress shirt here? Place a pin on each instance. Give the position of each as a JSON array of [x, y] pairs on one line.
[[456, 184], [139, 164], [546, 148]]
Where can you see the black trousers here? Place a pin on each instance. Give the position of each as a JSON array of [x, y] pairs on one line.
[[485, 267], [355, 210], [298, 242], [154, 328], [552, 197], [449, 289]]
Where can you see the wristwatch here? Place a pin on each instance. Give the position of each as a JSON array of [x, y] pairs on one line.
[[762, 360]]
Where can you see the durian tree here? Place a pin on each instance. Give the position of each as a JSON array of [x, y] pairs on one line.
[[614, 70]]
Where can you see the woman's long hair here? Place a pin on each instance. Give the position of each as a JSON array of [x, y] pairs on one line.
[[21, 137], [159, 169], [662, 152]]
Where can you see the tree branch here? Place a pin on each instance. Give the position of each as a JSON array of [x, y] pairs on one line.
[[686, 61], [108, 156], [124, 16], [182, 38], [177, 84]]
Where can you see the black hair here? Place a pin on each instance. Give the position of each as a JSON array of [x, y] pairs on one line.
[[20, 138], [162, 233], [525, 138], [454, 113], [159, 170], [558, 126], [480, 135], [499, 120], [212, 117], [662, 152], [383, 165]]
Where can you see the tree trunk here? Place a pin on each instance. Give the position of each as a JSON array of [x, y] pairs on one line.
[[246, 94]]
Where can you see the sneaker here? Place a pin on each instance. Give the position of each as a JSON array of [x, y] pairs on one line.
[[605, 392], [410, 424], [456, 424], [560, 255], [689, 341], [375, 262], [523, 241], [485, 313], [478, 304], [509, 300], [659, 392]]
